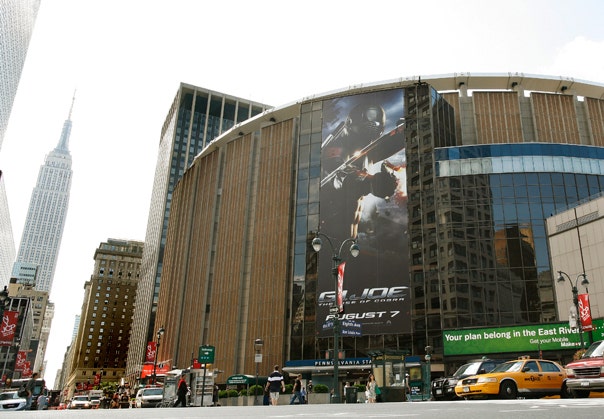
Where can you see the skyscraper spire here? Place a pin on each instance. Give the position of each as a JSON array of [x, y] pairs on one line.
[[63, 146], [47, 212]]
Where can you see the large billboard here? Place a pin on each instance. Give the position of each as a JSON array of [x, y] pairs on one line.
[[544, 337], [363, 197]]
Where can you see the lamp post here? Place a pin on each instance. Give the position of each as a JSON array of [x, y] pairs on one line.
[[575, 292], [160, 333], [258, 360], [428, 379], [334, 310]]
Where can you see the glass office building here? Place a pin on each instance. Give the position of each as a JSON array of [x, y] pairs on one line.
[[197, 116]]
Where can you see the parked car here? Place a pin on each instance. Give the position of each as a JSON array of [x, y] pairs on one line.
[[149, 396], [10, 400], [443, 388], [587, 373], [79, 402], [528, 377], [95, 398], [95, 402]]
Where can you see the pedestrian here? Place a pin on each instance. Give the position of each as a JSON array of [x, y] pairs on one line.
[[297, 390], [181, 391], [303, 394], [42, 401], [309, 386], [371, 385], [275, 384], [215, 395], [115, 401], [29, 387]]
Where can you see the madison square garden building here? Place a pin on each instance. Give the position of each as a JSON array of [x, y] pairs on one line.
[[444, 183]]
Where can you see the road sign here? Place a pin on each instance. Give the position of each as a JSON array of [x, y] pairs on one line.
[[206, 354], [351, 328], [328, 324]]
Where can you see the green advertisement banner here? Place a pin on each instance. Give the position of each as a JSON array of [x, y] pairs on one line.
[[546, 337]]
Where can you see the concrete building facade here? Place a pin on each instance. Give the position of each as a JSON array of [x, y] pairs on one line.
[[444, 183], [100, 349]]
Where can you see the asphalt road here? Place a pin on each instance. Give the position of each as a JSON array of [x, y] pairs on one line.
[[474, 409]]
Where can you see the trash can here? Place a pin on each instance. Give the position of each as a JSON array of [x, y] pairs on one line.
[[351, 394]]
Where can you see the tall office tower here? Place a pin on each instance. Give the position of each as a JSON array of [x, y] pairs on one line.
[[47, 211], [7, 242], [17, 20], [197, 116], [100, 348]]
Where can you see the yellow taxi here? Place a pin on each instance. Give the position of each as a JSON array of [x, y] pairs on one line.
[[523, 377]]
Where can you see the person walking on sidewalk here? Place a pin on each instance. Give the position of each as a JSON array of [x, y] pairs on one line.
[[297, 390], [182, 391], [275, 384]]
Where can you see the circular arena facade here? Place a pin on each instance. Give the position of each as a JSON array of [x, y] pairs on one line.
[[444, 183]]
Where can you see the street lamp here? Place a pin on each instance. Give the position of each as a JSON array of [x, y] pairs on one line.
[[428, 379], [258, 360], [575, 292], [334, 310], [160, 333]]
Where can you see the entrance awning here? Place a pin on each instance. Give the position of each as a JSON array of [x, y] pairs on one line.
[[325, 369]]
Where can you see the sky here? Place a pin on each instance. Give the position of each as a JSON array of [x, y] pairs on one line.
[[124, 59]]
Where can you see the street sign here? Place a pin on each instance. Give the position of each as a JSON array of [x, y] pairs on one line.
[[206, 354], [329, 324], [351, 328]]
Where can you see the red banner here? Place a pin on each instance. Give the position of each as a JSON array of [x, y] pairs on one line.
[[340, 294], [20, 362], [147, 370], [8, 327], [97, 379], [26, 370], [585, 312], [151, 349]]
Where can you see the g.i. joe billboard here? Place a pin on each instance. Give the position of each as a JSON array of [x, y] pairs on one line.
[[363, 196]]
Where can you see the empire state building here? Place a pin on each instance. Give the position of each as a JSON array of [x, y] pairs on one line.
[[47, 211]]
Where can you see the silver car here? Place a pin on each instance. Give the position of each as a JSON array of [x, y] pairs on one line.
[[11, 400]]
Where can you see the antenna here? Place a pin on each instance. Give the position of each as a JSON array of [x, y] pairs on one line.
[[72, 102]]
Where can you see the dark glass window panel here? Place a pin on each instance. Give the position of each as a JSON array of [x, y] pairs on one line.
[[242, 112], [508, 193], [509, 212], [524, 214], [557, 178], [532, 179]]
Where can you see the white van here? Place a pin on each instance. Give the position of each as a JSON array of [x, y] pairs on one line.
[[149, 396]]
